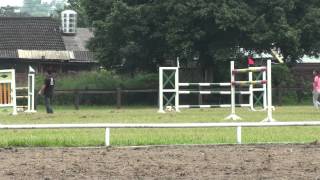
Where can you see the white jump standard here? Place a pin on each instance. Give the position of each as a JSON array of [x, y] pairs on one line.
[[234, 83], [8, 90], [169, 89]]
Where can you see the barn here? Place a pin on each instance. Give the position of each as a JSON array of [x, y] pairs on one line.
[[39, 42]]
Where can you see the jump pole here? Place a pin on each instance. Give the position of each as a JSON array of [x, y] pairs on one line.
[[161, 91], [251, 91], [269, 94], [176, 86], [31, 86], [233, 115]]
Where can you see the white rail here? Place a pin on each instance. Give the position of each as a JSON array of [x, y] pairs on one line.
[[108, 126]]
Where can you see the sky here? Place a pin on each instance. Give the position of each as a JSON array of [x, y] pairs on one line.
[[11, 2], [15, 2]]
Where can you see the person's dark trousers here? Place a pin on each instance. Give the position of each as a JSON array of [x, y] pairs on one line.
[[48, 100]]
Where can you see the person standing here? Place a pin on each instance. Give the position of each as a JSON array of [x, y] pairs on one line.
[[316, 88], [47, 90]]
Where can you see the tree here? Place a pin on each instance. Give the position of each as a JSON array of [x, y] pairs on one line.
[[141, 34], [122, 35], [82, 18], [10, 11], [7, 11]]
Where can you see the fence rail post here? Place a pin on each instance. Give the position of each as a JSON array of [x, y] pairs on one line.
[[200, 96], [76, 99], [239, 134], [107, 137], [118, 98]]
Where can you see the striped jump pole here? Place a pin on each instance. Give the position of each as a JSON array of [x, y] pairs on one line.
[[213, 92], [250, 69], [205, 84], [248, 83], [213, 106]]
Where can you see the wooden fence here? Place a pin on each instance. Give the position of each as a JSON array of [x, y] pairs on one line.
[[119, 94]]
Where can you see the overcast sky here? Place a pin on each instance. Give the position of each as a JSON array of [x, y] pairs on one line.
[[15, 2], [11, 2]]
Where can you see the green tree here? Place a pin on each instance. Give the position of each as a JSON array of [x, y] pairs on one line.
[[82, 18], [141, 34]]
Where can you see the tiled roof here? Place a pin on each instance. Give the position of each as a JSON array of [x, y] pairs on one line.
[[79, 41], [30, 33], [45, 55], [84, 57], [8, 54]]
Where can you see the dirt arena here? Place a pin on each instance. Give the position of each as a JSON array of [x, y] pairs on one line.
[[164, 162]]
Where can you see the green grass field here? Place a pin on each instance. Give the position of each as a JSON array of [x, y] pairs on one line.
[[124, 137]]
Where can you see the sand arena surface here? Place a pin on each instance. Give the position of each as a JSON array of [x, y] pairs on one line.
[[288, 161]]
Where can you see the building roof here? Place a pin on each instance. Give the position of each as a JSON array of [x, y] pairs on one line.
[[8, 54], [40, 39], [79, 41], [83, 56], [309, 59], [30, 33]]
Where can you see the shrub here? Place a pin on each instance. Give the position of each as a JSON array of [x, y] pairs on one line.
[[102, 80]]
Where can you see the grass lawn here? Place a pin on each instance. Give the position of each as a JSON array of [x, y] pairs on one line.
[[123, 137]]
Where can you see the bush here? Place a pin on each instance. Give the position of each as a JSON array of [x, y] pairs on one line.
[[102, 80]]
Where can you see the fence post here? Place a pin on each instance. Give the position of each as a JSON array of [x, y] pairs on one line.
[[279, 89], [200, 96], [239, 134], [76, 99], [107, 137], [118, 98], [240, 97]]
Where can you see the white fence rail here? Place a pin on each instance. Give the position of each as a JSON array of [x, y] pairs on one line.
[[108, 126]]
